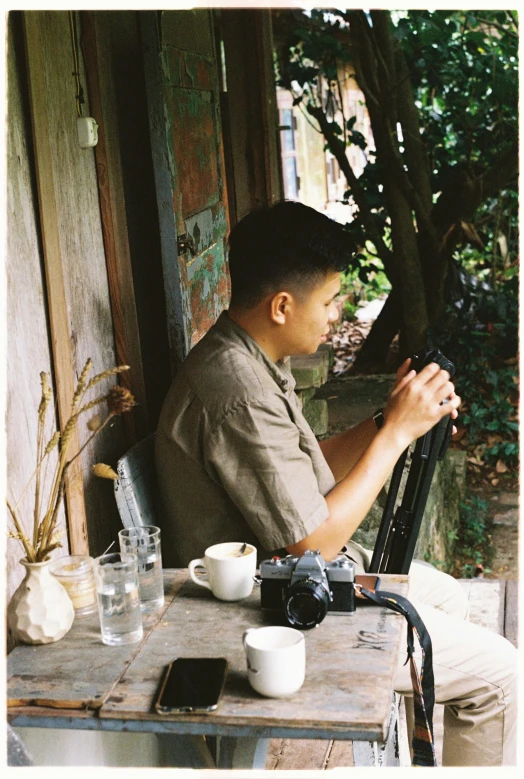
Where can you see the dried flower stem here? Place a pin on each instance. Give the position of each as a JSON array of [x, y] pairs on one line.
[[29, 550], [44, 540], [106, 375], [62, 462], [119, 400], [49, 525], [81, 385], [42, 410]]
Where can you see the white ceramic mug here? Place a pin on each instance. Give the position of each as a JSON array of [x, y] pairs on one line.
[[230, 576], [276, 660]]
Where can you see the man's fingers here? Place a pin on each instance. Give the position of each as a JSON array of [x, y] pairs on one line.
[[402, 383], [404, 368], [402, 371]]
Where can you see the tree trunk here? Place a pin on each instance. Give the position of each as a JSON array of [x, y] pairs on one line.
[[374, 351]]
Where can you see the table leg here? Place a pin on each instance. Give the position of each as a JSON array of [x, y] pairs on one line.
[[371, 753], [181, 751], [243, 752]]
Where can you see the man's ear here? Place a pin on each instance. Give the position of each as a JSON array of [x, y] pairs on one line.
[[280, 305]]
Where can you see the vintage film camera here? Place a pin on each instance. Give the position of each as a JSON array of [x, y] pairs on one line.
[[419, 361], [306, 588]]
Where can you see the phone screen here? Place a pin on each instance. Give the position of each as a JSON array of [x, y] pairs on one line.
[[192, 684]]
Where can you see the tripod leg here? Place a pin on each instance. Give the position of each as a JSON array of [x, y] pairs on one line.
[[387, 515], [438, 435]]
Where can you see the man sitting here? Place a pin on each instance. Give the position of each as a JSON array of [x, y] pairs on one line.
[[237, 461]]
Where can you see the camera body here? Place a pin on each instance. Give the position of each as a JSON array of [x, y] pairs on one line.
[[419, 361], [306, 588]]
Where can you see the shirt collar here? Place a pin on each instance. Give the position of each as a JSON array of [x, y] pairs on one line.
[[277, 370]]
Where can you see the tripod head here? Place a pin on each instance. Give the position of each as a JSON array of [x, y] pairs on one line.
[[432, 354]]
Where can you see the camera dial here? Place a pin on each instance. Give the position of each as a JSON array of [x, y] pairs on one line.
[[419, 361], [306, 603]]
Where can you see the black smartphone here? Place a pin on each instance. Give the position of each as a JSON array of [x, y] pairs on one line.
[[192, 684]]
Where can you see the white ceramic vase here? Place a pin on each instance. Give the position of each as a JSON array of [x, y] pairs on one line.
[[40, 610]]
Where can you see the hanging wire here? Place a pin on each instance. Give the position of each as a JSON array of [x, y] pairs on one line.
[[76, 73]]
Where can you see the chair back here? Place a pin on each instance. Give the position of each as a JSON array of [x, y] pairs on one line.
[[135, 488]]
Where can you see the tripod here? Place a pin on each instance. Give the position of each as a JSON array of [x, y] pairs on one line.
[[398, 532]]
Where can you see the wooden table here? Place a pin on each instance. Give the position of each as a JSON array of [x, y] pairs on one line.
[[80, 683]]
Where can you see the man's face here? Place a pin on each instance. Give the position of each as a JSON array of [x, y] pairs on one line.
[[312, 315]]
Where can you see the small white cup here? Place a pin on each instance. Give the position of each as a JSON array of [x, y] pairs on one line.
[[276, 660], [229, 577]]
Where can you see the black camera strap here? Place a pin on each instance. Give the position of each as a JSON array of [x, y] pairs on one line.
[[422, 744]]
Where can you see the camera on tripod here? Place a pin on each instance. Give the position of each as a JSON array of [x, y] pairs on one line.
[[400, 525], [419, 361], [306, 588]]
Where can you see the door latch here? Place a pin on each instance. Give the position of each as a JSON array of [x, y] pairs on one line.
[[185, 243]]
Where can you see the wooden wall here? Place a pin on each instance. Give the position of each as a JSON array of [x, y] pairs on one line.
[[28, 347], [93, 269], [33, 335]]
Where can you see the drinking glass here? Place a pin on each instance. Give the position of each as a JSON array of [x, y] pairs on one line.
[[116, 577], [144, 541]]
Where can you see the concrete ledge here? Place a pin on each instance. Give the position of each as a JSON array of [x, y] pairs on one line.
[[310, 370], [315, 411]]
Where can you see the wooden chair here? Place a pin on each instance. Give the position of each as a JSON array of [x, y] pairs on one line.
[[135, 488]]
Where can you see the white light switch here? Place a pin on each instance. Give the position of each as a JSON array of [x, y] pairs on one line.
[[87, 131]]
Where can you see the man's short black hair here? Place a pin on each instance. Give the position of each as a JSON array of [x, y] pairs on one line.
[[284, 245]]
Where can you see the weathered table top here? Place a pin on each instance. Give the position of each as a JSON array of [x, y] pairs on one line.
[[80, 682]]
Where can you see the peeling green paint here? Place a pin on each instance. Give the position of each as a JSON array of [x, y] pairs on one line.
[[193, 125]]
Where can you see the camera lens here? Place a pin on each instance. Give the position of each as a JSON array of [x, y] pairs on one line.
[[306, 604]]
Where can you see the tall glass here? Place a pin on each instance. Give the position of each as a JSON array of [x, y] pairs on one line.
[[144, 541], [116, 577]]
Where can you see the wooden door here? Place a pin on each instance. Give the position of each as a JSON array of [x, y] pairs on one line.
[[194, 141]]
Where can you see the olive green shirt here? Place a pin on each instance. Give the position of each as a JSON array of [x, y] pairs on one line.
[[235, 458]]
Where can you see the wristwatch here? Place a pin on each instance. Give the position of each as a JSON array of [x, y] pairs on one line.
[[378, 418]]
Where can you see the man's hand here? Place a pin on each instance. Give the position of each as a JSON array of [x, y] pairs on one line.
[[415, 404]]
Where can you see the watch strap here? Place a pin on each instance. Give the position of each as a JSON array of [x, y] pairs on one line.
[[378, 418]]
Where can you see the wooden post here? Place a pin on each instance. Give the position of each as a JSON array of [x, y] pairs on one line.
[[268, 104], [56, 298], [178, 334], [102, 101]]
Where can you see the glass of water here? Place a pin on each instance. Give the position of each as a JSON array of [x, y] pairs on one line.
[[144, 541], [116, 577]]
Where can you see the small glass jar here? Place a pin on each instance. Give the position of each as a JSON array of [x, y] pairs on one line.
[[75, 573]]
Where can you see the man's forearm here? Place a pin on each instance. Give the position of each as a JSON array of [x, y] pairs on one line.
[[343, 451], [351, 499]]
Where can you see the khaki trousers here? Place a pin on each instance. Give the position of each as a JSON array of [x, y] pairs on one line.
[[475, 671]]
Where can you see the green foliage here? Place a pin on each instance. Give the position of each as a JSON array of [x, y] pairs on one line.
[[364, 281], [463, 68], [473, 542], [463, 71], [481, 339]]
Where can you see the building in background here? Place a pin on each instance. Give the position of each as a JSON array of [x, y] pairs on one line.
[[311, 174]]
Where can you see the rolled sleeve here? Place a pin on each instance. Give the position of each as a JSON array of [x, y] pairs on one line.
[[256, 454]]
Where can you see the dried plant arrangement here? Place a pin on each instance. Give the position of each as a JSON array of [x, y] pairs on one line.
[[45, 537]]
